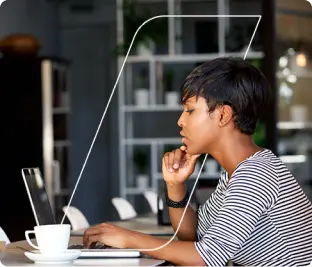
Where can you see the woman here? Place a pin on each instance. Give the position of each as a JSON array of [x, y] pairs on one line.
[[258, 214]]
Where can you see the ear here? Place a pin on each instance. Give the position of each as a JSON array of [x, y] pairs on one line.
[[226, 113]]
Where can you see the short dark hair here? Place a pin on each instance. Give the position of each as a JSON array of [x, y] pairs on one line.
[[230, 81]]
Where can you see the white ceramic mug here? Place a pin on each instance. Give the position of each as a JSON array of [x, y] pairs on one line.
[[51, 239]]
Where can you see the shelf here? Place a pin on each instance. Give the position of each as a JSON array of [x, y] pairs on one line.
[[137, 191], [151, 108], [148, 141], [61, 110], [190, 57], [293, 158], [293, 125], [62, 143], [63, 192], [281, 75]]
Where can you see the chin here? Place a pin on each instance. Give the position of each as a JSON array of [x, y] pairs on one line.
[[192, 151], [196, 150]]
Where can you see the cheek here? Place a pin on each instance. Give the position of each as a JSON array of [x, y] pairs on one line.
[[207, 131], [203, 133], [199, 122]]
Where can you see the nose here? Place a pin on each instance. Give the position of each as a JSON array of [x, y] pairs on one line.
[[181, 121]]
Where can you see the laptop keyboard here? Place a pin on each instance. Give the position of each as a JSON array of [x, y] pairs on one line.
[[76, 246]]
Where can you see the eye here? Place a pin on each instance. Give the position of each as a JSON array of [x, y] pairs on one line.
[[189, 111]]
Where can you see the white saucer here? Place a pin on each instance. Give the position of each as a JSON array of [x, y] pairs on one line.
[[61, 258]]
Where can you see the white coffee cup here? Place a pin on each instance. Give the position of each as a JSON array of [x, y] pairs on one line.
[[51, 239]]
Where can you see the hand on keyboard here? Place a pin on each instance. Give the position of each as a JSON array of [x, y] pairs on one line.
[[76, 246]]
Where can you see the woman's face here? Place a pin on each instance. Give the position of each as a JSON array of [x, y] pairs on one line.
[[200, 128]]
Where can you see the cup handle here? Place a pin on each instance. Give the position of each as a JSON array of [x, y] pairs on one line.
[[28, 240]]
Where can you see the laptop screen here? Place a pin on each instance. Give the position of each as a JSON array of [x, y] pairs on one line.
[[38, 196]]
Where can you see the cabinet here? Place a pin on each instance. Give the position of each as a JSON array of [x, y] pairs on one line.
[[35, 115], [55, 88]]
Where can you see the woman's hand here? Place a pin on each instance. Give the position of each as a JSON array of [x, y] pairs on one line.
[[178, 165], [107, 234]]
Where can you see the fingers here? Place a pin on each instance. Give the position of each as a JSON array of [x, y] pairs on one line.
[[194, 157], [166, 160], [90, 234], [92, 245], [183, 148], [172, 159], [178, 155], [92, 240]]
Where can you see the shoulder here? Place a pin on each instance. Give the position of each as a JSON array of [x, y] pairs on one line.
[[258, 170], [256, 176]]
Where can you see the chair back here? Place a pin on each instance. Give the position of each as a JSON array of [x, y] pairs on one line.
[[124, 208], [76, 218], [151, 198], [4, 237]]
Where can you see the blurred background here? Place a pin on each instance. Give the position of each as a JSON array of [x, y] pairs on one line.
[[59, 63]]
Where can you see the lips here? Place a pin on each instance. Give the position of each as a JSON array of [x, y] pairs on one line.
[[183, 137]]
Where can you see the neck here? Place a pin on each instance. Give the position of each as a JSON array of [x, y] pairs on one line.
[[233, 150]]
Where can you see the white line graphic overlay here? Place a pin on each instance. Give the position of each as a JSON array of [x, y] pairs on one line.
[[114, 88]]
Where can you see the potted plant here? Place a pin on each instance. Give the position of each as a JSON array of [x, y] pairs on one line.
[[151, 33], [141, 92], [259, 135], [171, 96], [140, 158]]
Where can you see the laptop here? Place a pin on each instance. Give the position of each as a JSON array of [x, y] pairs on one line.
[[43, 214]]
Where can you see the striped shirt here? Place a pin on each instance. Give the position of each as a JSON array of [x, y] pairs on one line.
[[261, 217]]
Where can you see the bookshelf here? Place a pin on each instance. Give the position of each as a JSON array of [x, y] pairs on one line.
[[134, 117]]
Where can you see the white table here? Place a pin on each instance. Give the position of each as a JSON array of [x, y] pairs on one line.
[[13, 256]]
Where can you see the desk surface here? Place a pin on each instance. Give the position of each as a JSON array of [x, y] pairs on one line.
[[145, 225], [14, 256]]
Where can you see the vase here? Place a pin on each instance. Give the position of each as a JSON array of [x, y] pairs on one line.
[[141, 96]]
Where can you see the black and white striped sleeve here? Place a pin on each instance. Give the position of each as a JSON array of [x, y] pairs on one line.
[[252, 191]]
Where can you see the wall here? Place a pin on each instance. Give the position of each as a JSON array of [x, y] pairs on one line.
[[87, 43], [87, 40], [38, 17]]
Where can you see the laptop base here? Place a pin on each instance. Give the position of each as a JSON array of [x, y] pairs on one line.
[[109, 253]]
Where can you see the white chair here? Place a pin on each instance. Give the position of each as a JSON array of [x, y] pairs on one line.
[[124, 208], [76, 218], [151, 198], [4, 237]]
